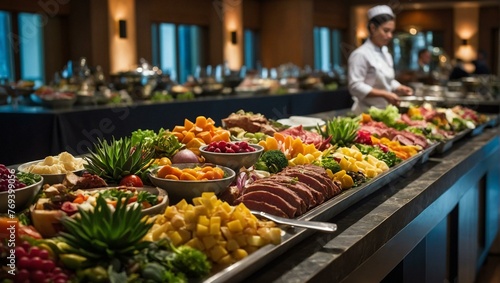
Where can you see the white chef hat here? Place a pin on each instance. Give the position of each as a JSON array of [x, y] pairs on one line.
[[379, 10]]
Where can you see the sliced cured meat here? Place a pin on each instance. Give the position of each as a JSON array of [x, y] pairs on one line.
[[275, 188], [270, 198], [307, 137], [321, 179], [265, 207], [301, 189], [310, 181]]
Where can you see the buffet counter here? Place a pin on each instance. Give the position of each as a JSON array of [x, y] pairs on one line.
[[435, 223], [32, 133]]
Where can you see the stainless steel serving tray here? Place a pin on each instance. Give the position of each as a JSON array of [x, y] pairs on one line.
[[478, 130], [493, 120], [324, 212], [447, 144]]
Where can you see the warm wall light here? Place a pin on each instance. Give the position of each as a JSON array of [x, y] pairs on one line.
[[234, 39], [465, 42], [122, 28]]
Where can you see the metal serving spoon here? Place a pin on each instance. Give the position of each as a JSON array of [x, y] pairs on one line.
[[322, 226]]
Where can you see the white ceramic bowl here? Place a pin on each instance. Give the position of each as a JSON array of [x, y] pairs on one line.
[[234, 161], [156, 209], [182, 189], [23, 197], [48, 222], [48, 178]]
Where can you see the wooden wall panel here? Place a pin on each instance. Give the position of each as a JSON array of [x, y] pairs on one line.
[[196, 12], [56, 48], [50, 8], [287, 32], [79, 26], [251, 14], [489, 23], [143, 22], [99, 33], [332, 14]]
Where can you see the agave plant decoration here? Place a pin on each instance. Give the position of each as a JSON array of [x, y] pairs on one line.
[[118, 158], [342, 130], [101, 234]]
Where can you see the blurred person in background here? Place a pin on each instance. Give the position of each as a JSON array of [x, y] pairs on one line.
[[480, 64], [458, 72], [371, 76]]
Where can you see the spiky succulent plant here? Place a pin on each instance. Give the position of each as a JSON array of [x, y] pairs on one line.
[[342, 130], [101, 234], [118, 158]]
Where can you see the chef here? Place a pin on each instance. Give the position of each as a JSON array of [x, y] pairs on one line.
[[371, 72]]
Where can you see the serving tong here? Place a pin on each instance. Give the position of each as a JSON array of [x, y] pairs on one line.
[[321, 226]]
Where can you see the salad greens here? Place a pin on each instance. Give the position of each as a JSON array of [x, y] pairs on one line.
[[388, 157], [28, 178], [164, 142], [389, 116]]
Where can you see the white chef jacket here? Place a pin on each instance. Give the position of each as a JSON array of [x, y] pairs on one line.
[[370, 67]]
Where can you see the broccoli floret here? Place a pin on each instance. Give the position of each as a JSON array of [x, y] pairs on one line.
[[272, 161], [330, 163], [192, 262]]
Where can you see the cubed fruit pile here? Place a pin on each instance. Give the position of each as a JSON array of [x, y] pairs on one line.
[[224, 233]]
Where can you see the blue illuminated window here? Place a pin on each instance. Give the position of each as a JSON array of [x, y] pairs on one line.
[[31, 47], [327, 48], [251, 47], [178, 49], [25, 46], [6, 56]]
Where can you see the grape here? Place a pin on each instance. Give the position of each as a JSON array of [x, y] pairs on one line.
[[48, 265], [24, 262], [60, 276], [34, 251], [36, 263], [20, 252], [22, 275], [37, 276], [26, 245], [43, 254]]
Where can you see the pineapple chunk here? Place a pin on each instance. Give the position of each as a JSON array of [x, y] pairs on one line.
[[235, 226], [239, 254], [170, 212], [226, 233], [256, 241], [186, 235], [202, 230], [196, 244], [182, 204], [241, 239], [208, 242], [226, 260], [232, 245], [203, 220], [174, 237], [178, 221], [217, 252], [215, 225], [190, 216], [155, 233], [275, 235], [200, 210]]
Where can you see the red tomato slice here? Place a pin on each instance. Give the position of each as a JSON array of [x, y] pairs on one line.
[[131, 181]]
